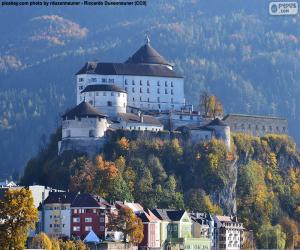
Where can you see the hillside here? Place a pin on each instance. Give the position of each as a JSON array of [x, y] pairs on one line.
[[234, 50], [258, 178]]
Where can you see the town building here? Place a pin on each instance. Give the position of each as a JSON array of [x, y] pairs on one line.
[[256, 125], [89, 212], [228, 233], [149, 80], [151, 224], [55, 214]]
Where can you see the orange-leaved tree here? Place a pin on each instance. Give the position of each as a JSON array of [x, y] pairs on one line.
[[129, 224]]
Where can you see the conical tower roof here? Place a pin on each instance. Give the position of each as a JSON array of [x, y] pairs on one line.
[[148, 55], [84, 109]]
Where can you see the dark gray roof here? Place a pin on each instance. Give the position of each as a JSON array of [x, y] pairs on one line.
[[84, 109], [147, 55], [103, 87], [133, 118], [127, 69], [88, 200], [168, 214], [60, 197], [216, 122]]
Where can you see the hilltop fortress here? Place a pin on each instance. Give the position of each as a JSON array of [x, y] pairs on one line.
[[145, 94]]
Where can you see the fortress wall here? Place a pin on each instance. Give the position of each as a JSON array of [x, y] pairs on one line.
[[256, 125]]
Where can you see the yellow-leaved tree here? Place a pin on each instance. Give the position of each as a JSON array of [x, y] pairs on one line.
[[42, 241], [129, 224], [18, 215]]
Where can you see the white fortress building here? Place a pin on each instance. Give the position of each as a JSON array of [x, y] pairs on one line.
[[149, 80]]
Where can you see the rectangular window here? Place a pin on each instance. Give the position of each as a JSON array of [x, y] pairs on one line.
[[80, 80], [80, 87], [133, 83], [112, 93], [126, 82], [172, 84], [88, 228], [166, 84], [103, 80], [76, 219], [148, 83], [133, 90], [101, 219], [141, 91], [158, 91], [158, 83], [88, 219], [148, 90], [76, 229], [166, 91], [109, 103], [126, 89], [172, 93], [94, 80], [111, 80], [102, 228], [50, 225], [141, 83], [104, 93]]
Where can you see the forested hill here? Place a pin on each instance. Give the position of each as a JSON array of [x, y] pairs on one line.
[[233, 49]]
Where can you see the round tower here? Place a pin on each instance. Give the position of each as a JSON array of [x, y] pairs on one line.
[[83, 122], [221, 131], [107, 98]]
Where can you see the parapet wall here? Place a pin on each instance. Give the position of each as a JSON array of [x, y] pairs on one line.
[[256, 125]]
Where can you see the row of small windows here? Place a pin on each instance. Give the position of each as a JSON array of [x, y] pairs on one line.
[[263, 127], [87, 219], [105, 93], [86, 229], [148, 83], [139, 128], [148, 91], [94, 79], [56, 225], [148, 99], [181, 117]]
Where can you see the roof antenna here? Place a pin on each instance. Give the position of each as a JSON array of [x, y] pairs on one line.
[[147, 39]]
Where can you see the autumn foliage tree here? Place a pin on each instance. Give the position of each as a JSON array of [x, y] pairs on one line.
[[18, 215], [129, 224], [42, 241], [210, 105]]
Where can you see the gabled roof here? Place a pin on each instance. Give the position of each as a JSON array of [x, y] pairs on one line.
[[168, 214], [88, 200], [60, 197], [216, 122], [91, 238], [133, 118], [103, 87], [148, 55], [84, 109], [127, 69]]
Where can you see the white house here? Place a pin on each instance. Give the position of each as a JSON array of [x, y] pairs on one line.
[[55, 214], [130, 121], [150, 80], [228, 233], [106, 97]]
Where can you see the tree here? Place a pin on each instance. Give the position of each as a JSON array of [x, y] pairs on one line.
[[42, 241], [271, 237], [210, 106], [129, 224], [18, 215], [290, 227], [197, 200]]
